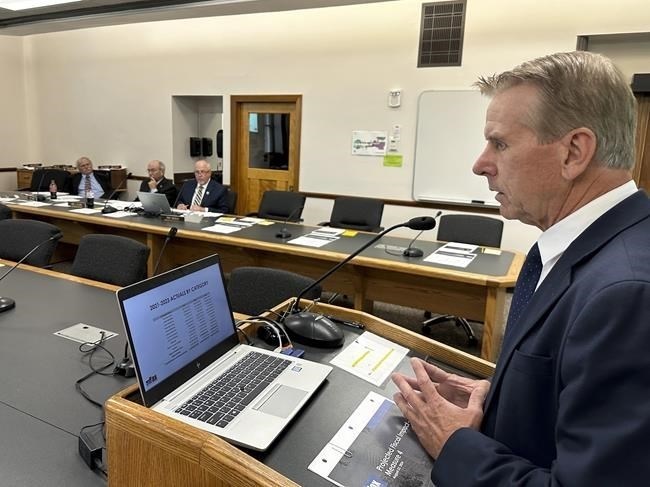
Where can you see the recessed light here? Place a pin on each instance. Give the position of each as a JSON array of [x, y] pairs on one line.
[[26, 4]]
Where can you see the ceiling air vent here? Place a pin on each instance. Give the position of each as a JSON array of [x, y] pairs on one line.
[[441, 35]]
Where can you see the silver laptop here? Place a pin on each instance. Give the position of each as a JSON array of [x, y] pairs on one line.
[[182, 335], [154, 203]]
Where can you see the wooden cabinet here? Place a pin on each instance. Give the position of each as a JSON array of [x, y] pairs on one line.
[[23, 178]]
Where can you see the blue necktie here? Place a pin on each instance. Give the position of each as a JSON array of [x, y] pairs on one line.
[[524, 289]]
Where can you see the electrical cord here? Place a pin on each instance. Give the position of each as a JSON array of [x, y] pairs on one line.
[[89, 349], [275, 326]]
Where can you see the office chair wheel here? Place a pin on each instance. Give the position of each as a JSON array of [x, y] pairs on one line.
[[461, 322]]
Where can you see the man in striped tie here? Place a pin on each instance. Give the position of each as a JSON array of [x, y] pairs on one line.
[[203, 193], [569, 402], [88, 180]]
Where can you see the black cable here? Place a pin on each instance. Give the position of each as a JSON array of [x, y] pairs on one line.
[[94, 346]]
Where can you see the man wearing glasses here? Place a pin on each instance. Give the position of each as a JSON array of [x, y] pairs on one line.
[[204, 193], [158, 183]]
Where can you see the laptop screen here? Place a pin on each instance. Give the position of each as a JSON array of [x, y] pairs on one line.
[[154, 203], [177, 323]]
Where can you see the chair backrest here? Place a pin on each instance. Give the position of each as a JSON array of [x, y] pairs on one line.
[[42, 177], [5, 212], [253, 290], [282, 205], [18, 237], [111, 258], [357, 213], [471, 229], [231, 201]]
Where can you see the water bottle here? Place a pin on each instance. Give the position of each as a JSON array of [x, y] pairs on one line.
[[53, 190], [90, 200]]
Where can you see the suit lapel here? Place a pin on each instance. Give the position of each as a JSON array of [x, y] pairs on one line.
[[627, 213]]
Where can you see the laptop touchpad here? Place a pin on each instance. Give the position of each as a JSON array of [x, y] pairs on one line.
[[282, 402]]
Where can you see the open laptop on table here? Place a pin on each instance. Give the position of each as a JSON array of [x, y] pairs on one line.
[[154, 203], [183, 339]]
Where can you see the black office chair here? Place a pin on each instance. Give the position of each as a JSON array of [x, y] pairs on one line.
[[20, 236], [469, 229], [356, 213], [231, 201], [42, 177], [253, 290], [281, 205], [5, 212], [111, 258]]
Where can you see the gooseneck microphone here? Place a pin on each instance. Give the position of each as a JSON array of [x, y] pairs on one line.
[[411, 251], [284, 233], [315, 329], [171, 234], [111, 209], [7, 303], [40, 197]]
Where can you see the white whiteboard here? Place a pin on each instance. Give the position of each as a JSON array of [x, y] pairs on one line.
[[449, 139]]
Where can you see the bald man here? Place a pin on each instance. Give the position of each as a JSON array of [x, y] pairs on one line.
[[158, 183]]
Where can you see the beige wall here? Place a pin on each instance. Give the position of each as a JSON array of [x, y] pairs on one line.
[[106, 92], [13, 125]]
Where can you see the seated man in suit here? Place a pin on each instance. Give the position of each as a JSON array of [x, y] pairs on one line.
[[87, 180], [158, 183], [203, 194]]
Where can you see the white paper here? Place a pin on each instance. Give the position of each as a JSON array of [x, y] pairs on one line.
[[86, 211], [119, 214], [453, 254], [221, 228], [309, 241], [35, 203], [375, 447], [370, 357]]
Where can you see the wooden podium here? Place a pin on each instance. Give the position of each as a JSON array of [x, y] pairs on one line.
[[146, 448]]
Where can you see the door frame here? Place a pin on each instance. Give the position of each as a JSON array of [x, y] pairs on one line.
[[235, 123]]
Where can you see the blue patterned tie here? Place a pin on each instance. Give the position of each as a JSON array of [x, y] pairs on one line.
[[524, 289]]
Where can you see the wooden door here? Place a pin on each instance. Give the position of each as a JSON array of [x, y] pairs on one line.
[[265, 146]]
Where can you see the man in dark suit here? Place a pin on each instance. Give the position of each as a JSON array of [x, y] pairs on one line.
[[88, 180], [569, 402], [204, 193], [158, 183]]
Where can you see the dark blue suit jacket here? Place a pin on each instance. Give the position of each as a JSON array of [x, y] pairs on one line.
[[570, 398], [214, 196]]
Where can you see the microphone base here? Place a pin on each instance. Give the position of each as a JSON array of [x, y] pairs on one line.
[[282, 234], [6, 304], [108, 209], [313, 329], [412, 252]]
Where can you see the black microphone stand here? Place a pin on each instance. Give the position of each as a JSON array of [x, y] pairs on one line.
[[111, 209], [300, 325], [411, 251], [171, 234], [284, 233], [7, 303]]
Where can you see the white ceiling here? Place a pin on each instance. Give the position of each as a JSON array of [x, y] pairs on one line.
[[95, 13]]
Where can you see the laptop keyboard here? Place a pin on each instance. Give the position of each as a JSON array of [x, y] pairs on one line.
[[224, 398]]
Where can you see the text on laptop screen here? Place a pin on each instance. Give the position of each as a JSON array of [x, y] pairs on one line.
[[185, 317]]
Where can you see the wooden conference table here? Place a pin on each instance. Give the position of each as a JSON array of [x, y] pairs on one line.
[[476, 292]]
